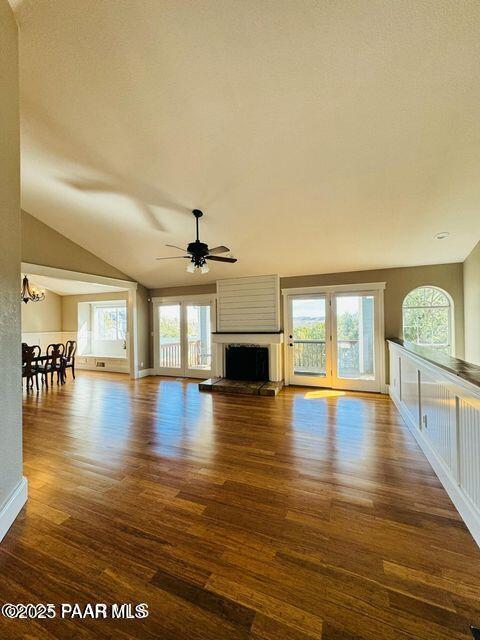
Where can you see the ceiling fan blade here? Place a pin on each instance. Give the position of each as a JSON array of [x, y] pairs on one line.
[[171, 257], [174, 246], [220, 249], [220, 258]]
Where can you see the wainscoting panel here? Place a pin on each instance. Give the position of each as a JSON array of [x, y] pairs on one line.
[[469, 450], [91, 363], [409, 388], [99, 363], [443, 413], [395, 374], [438, 419]]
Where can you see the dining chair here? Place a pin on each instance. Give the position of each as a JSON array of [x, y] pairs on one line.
[[53, 363], [26, 346], [29, 364], [69, 357]]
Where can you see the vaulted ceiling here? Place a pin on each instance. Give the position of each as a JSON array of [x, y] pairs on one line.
[[317, 136]]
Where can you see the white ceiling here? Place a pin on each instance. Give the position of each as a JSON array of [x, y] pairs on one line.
[[69, 287], [317, 136]]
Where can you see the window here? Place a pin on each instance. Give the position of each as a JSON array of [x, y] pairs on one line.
[[427, 318], [110, 322]]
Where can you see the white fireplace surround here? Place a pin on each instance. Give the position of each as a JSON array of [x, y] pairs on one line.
[[274, 342]]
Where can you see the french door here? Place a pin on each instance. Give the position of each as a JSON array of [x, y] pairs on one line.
[[309, 345], [335, 339], [183, 338]]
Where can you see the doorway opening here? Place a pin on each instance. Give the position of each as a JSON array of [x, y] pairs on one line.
[[96, 313]]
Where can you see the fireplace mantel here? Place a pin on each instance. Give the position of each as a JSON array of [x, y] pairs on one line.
[[248, 338], [273, 340]]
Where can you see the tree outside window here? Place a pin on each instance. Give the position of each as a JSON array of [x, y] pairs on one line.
[[427, 318], [110, 323]]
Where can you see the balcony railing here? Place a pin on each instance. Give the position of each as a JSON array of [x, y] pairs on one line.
[[171, 355], [310, 357]]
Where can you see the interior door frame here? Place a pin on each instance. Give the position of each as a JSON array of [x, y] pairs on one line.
[[371, 288], [183, 371]]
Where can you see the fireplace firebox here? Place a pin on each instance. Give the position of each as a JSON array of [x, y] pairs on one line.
[[246, 362]]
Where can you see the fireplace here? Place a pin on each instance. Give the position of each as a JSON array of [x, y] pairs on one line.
[[246, 362], [272, 342]]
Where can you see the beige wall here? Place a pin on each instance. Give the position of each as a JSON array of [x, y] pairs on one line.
[[398, 283], [44, 246], [471, 289], [70, 306], [42, 316], [196, 289], [10, 371], [143, 328]]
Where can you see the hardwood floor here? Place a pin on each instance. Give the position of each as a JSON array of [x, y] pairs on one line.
[[308, 515]]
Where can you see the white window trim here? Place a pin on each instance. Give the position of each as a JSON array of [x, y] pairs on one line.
[[451, 306], [117, 304], [337, 288], [202, 298]]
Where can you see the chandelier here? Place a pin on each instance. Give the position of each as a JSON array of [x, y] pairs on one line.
[[30, 293]]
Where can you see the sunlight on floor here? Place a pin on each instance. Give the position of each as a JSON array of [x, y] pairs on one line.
[[323, 393]]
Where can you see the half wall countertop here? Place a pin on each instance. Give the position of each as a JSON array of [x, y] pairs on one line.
[[465, 370]]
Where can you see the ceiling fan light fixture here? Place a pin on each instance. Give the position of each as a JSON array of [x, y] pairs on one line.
[[205, 269], [191, 268]]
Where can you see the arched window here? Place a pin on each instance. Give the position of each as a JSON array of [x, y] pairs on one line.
[[427, 318]]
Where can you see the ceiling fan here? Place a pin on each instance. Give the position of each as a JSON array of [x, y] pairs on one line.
[[198, 252]]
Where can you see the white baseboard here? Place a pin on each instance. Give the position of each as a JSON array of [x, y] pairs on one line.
[[144, 373], [467, 511], [13, 507], [159, 372]]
